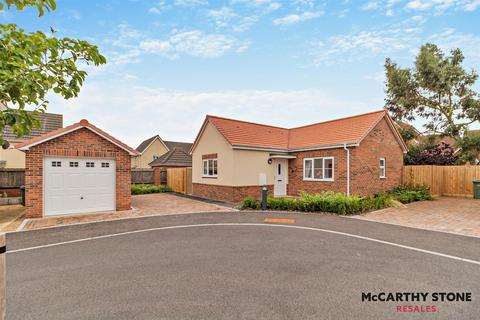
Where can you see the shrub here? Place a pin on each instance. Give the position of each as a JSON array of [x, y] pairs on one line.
[[411, 193], [148, 188], [323, 202], [251, 203]]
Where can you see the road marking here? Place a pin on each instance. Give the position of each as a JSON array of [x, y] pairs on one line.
[[393, 244], [274, 220]]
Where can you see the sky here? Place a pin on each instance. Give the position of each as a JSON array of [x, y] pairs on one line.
[[285, 63]]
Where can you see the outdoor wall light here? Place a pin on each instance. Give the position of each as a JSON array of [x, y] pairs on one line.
[[269, 161]]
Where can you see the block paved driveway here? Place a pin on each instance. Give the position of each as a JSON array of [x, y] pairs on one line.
[[457, 215], [234, 265], [143, 205]]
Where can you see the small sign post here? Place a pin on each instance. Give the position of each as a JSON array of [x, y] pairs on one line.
[[264, 197]]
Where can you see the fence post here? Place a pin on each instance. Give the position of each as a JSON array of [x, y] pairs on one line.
[[3, 250]]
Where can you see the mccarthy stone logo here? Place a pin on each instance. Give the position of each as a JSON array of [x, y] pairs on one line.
[[411, 302]]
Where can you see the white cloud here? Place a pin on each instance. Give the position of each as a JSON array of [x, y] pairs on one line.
[[372, 5], [119, 107], [295, 18], [158, 7], [190, 3], [440, 6], [360, 45], [194, 43], [222, 16], [450, 39], [472, 5]]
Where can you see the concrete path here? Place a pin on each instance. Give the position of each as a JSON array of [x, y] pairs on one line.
[[456, 215], [233, 265]]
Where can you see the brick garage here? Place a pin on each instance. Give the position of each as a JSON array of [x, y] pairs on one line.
[[77, 143]]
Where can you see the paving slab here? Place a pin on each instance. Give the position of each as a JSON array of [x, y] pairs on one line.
[[446, 214]]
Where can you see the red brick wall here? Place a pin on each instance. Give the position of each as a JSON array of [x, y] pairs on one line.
[[228, 193], [295, 173], [157, 176], [80, 143], [364, 166]]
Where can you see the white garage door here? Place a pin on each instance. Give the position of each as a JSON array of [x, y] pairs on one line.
[[74, 185]]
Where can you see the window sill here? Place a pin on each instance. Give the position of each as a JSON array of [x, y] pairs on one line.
[[383, 178], [210, 177], [319, 180]]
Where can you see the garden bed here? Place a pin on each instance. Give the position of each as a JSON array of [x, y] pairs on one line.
[[339, 203], [149, 188]]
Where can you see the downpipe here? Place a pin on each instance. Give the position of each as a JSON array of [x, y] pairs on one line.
[[348, 168]]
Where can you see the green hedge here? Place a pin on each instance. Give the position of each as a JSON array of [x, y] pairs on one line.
[[323, 202], [411, 193], [339, 203], [148, 188]]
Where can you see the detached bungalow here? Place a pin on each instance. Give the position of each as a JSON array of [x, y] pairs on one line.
[[232, 159]]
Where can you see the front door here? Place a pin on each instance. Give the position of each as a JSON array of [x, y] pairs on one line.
[[280, 178]]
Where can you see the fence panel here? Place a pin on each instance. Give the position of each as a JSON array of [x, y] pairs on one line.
[[142, 176], [444, 180], [180, 179], [12, 178], [176, 179]]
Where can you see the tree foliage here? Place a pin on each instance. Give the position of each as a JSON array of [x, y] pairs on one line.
[[431, 154], [32, 64], [470, 148], [438, 89], [41, 5]]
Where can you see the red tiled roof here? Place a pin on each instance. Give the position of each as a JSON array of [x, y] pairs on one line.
[[251, 134], [339, 131], [350, 130], [62, 131]]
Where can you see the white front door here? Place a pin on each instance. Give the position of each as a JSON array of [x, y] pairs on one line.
[[280, 178], [75, 185]]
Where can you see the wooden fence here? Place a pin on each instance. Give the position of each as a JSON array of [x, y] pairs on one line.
[[12, 178], [180, 179], [142, 176], [455, 181]]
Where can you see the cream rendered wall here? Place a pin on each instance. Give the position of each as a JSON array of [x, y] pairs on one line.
[[248, 165], [235, 167], [15, 158], [156, 148], [210, 142]]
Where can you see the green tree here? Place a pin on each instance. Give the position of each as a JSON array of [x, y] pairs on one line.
[[32, 64], [470, 148], [438, 89]]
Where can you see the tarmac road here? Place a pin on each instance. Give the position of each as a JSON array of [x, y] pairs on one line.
[[235, 266]]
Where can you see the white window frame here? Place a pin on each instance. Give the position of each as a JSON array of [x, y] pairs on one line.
[[383, 168], [155, 157], [207, 174], [323, 169]]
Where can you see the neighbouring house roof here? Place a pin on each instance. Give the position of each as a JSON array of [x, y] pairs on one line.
[[71, 128], [48, 121], [176, 157], [142, 146], [175, 144], [169, 145], [328, 134]]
